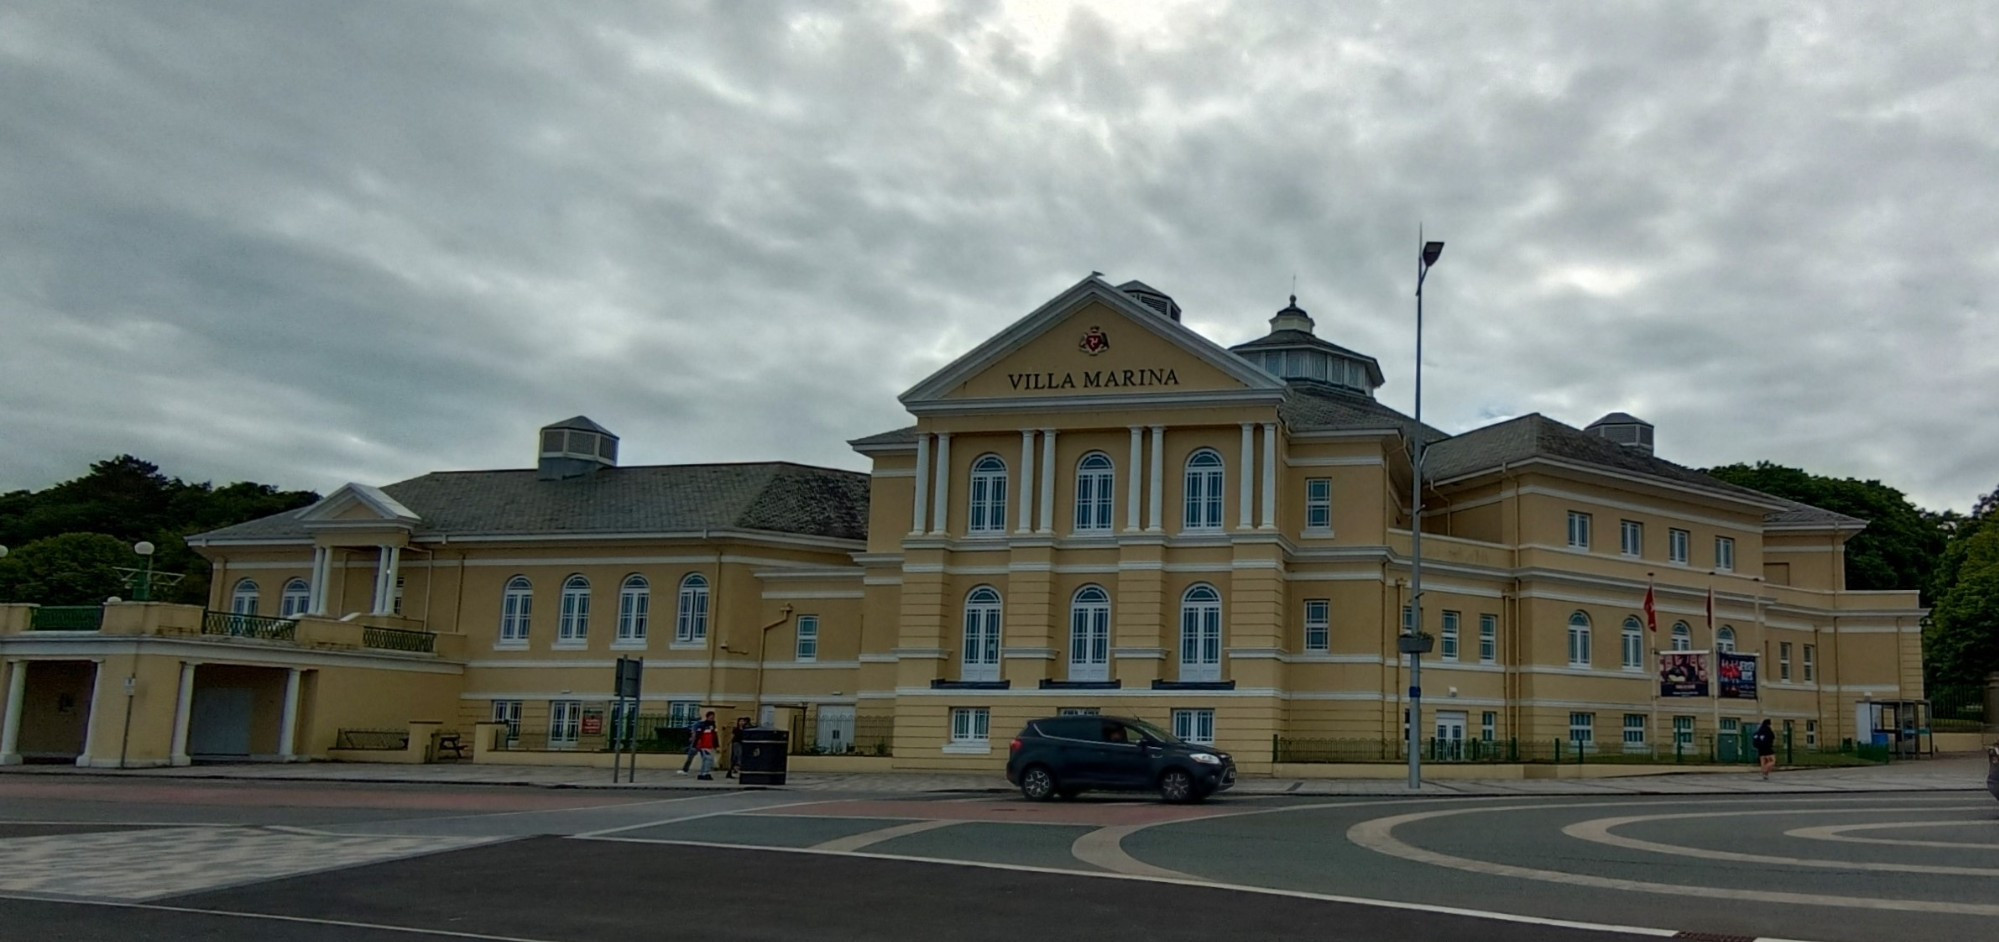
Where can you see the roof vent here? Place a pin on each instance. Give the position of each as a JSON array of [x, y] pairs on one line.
[[1152, 297], [575, 447], [1625, 429]]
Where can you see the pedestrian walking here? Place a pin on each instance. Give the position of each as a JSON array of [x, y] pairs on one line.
[[693, 750], [706, 739], [1765, 741], [736, 744]]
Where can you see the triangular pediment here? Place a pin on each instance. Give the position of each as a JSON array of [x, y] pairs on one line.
[[358, 505], [1091, 341]]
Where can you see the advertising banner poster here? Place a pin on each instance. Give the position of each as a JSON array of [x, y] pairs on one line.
[[1683, 674], [1737, 675]]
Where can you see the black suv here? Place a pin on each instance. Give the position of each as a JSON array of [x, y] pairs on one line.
[[1063, 755]]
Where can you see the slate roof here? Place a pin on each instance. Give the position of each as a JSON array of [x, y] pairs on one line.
[[1312, 408], [581, 423], [1800, 514], [902, 436], [771, 496]]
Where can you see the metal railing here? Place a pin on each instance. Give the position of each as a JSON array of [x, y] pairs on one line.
[[1958, 709], [1707, 748], [378, 739], [399, 639], [67, 618], [232, 625], [864, 736]]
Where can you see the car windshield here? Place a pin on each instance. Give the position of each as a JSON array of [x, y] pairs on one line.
[[1152, 731]]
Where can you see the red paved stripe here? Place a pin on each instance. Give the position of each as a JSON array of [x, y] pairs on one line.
[[430, 798], [1085, 812]]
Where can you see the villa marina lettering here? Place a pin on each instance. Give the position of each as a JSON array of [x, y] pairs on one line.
[[1094, 379]]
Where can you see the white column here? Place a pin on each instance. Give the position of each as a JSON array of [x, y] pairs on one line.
[[1131, 478], [183, 710], [1157, 501], [394, 575], [90, 714], [287, 732], [1047, 480], [1027, 480], [315, 602], [940, 499], [916, 516], [1269, 521], [385, 580], [1246, 469], [17, 698]]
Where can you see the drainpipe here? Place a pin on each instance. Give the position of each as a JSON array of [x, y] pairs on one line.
[[714, 625], [763, 641]]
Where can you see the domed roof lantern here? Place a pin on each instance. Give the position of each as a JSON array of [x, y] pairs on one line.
[[1625, 429], [1292, 317]]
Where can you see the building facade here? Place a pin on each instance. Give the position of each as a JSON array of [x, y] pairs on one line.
[[1096, 509]]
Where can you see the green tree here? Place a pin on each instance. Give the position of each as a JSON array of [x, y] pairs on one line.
[[1902, 542], [1961, 641], [70, 569]]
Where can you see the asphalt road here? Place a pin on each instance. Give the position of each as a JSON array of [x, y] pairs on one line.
[[86, 859]]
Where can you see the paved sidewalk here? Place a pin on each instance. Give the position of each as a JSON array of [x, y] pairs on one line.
[[1947, 773]]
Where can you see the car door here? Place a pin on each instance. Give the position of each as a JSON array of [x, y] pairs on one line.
[[1072, 747], [1122, 759]]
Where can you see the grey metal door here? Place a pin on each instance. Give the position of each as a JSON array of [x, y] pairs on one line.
[[220, 722]]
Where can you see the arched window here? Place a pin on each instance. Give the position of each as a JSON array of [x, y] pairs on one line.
[[988, 495], [634, 609], [691, 625], [1090, 635], [1634, 644], [1683, 637], [1579, 653], [573, 623], [516, 610], [1204, 491], [982, 635], [297, 596], [1724, 639], [243, 598], [1201, 634], [1094, 491]]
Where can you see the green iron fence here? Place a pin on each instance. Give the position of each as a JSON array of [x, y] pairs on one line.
[[399, 639], [389, 739], [67, 618], [815, 735], [1708, 748], [1958, 709], [230, 624]]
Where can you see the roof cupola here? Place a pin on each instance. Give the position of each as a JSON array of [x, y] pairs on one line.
[[1625, 429], [575, 447]]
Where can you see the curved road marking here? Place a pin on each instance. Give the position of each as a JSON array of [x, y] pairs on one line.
[[301, 920], [1599, 831], [866, 838], [1378, 835], [1838, 832], [1103, 848]]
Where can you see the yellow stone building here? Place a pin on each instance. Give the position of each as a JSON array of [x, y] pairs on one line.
[[1096, 509]]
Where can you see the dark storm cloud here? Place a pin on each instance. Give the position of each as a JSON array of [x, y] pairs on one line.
[[308, 243]]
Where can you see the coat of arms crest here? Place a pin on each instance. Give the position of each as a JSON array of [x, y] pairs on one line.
[[1094, 341]]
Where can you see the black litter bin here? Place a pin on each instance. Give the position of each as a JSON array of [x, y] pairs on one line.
[[763, 757]]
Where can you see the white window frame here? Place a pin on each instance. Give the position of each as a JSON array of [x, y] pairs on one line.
[[243, 598], [1579, 640], [508, 712], [1579, 526], [1683, 636], [1488, 638], [690, 622], [805, 647], [572, 624], [1582, 730], [1812, 733], [1784, 661], [1488, 726], [1683, 731], [634, 610], [1090, 635], [1724, 553], [970, 731], [680, 714], [516, 611], [1194, 726], [1201, 634], [1631, 537], [1319, 504], [1634, 732], [623, 713], [1206, 477], [979, 654], [1447, 645], [986, 502], [1096, 493], [1633, 636], [396, 597], [1724, 639], [1318, 625], [1811, 663], [294, 598], [1678, 543], [565, 723]]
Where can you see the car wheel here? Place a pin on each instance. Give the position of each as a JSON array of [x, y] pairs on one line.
[[1037, 783], [1176, 786]]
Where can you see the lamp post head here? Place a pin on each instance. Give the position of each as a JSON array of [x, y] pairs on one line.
[[1431, 250], [3, 552], [143, 548]]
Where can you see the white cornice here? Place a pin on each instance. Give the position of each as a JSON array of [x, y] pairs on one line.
[[1212, 398]]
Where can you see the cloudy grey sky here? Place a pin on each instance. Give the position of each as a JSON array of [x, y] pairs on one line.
[[311, 242]]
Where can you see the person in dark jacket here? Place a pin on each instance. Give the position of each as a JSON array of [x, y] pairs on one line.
[[736, 744], [1765, 741]]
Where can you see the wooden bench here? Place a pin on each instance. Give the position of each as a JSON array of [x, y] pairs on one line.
[[450, 742]]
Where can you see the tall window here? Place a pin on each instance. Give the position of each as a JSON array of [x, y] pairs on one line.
[[1090, 635], [1195, 726], [1724, 639], [1578, 530], [516, 609], [1812, 733], [690, 626], [1488, 638], [1408, 620], [981, 655], [634, 609], [1683, 637], [1683, 731], [1631, 537], [396, 597], [573, 625], [1579, 640], [565, 718], [1318, 503], [1634, 645], [1204, 491], [1724, 553], [1201, 634], [297, 595], [243, 599], [807, 648], [681, 714], [1634, 732], [988, 495], [509, 712], [1784, 661], [1676, 545], [1582, 730], [1450, 638], [1318, 624], [1488, 726], [971, 725], [1095, 491], [1811, 663]]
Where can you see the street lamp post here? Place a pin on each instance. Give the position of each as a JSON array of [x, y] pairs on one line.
[[1413, 641], [142, 581]]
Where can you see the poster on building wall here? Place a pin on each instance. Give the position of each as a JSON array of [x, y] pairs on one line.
[[593, 722], [1683, 674], [1737, 673]]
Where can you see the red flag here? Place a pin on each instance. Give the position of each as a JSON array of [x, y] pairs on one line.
[[1651, 610]]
